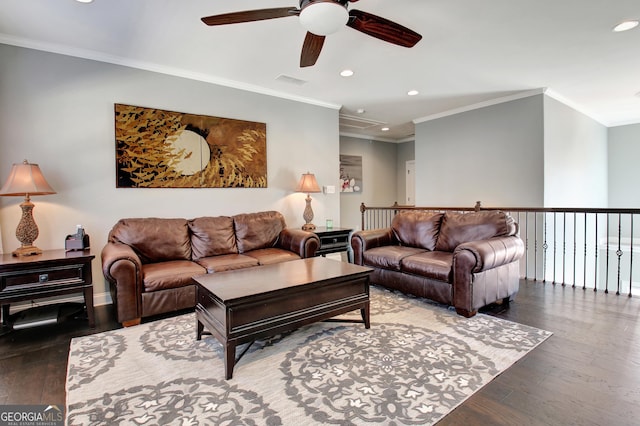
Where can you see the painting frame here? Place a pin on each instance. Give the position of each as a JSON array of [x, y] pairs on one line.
[[350, 173], [158, 148]]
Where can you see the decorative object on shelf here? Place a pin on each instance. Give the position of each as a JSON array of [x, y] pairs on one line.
[[350, 173], [167, 149], [26, 180], [308, 184]]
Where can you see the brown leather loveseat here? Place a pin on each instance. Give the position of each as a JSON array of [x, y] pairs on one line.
[[149, 262], [465, 260]]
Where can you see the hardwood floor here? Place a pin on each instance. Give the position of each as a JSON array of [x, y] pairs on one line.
[[587, 373]]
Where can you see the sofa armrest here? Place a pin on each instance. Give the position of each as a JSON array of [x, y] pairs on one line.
[[303, 243], [478, 256], [122, 267], [484, 272], [362, 241]]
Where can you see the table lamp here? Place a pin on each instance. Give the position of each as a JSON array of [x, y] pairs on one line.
[[308, 184], [26, 180]]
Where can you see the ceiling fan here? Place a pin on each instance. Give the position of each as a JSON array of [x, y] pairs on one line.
[[321, 18]]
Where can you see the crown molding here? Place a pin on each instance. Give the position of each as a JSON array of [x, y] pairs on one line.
[[558, 97], [376, 138], [479, 105]]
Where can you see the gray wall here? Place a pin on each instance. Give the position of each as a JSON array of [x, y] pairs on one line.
[[58, 111], [379, 178], [575, 158], [624, 174], [492, 154]]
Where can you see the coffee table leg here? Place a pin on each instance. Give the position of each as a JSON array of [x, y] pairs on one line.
[[365, 315], [199, 329], [229, 359]]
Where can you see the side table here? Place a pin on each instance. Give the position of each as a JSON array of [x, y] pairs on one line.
[[334, 240], [52, 273]]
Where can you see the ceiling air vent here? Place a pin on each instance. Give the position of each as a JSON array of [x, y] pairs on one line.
[[291, 80], [357, 123]]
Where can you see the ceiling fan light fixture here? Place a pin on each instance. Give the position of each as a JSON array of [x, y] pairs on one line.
[[324, 17]]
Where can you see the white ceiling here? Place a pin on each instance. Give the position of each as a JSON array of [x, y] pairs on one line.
[[472, 51]]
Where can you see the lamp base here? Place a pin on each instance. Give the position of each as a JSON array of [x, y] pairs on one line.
[[308, 227], [26, 251]]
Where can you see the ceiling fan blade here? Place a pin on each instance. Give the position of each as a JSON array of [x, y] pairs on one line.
[[250, 16], [311, 49], [382, 28]]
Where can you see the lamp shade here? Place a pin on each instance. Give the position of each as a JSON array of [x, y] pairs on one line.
[[26, 179], [308, 183]]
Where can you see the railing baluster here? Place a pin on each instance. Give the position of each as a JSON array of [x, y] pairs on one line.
[[535, 257], [575, 248], [619, 253], [595, 278], [606, 275], [545, 246], [631, 257], [584, 262], [564, 247]]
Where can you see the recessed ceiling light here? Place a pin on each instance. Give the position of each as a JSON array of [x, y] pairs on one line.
[[625, 26], [412, 92], [385, 129], [84, 1], [360, 110], [346, 73]]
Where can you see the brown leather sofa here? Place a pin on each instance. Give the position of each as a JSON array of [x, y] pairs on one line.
[[465, 260], [149, 262]]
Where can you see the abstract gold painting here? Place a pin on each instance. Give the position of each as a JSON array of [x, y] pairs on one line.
[[166, 149]]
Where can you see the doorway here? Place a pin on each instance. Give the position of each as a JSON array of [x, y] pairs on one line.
[[410, 183]]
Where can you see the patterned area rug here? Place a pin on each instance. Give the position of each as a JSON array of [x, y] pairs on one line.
[[417, 363]]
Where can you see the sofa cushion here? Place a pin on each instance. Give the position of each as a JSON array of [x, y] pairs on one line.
[[437, 265], [388, 257], [170, 274], [212, 236], [458, 228], [227, 262], [271, 255], [257, 230], [417, 228], [154, 239]]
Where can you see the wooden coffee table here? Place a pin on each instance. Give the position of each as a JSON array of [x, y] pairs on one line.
[[241, 306]]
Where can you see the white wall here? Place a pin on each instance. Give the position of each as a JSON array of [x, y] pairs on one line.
[[379, 177], [58, 111], [575, 158], [492, 154], [624, 173]]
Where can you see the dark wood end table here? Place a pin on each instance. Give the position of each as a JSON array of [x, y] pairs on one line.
[[333, 240], [241, 306], [52, 273]]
